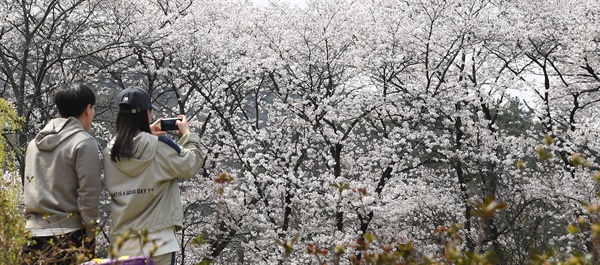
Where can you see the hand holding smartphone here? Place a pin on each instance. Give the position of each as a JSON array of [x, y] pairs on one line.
[[169, 124], [179, 124]]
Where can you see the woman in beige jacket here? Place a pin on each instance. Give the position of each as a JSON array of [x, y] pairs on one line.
[[141, 168]]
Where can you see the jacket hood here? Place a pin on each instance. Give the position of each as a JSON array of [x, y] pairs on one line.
[[145, 150], [56, 132]]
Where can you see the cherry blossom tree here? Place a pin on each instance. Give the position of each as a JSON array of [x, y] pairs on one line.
[[44, 44], [343, 119]]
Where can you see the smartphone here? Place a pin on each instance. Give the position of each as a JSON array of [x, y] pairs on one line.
[[169, 124]]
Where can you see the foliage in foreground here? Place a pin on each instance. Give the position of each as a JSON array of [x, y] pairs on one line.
[[12, 224]]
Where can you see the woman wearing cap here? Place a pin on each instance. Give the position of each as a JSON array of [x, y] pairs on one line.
[[141, 168]]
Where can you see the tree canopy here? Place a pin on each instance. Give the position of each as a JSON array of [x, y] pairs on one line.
[[342, 118]]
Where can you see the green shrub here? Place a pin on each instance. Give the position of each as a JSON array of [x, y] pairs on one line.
[[12, 223]]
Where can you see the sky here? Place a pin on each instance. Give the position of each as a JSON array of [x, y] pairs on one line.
[[299, 3]]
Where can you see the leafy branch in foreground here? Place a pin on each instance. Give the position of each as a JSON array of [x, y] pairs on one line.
[[12, 233]]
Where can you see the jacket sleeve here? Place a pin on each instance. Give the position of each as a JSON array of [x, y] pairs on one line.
[[88, 194], [191, 154], [187, 162]]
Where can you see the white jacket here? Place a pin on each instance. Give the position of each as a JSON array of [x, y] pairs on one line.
[[144, 191]]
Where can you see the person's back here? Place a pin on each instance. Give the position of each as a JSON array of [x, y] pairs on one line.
[[62, 182], [141, 168]]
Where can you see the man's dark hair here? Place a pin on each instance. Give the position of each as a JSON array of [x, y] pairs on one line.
[[72, 100], [127, 127]]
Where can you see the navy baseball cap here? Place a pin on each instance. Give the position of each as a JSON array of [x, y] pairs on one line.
[[134, 100]]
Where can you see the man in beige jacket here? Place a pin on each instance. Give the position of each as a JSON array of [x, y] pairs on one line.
[[62, 182]]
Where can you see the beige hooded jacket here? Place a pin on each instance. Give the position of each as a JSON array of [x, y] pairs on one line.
[[144, 189], [62, 178]]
